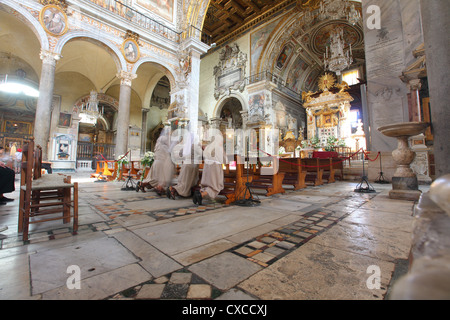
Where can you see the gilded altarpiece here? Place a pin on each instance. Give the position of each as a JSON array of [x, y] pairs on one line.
[[328, 112]]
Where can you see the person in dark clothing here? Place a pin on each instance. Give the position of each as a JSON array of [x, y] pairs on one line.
[[7, 177]]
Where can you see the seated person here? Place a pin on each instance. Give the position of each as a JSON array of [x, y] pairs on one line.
[[7, 177]]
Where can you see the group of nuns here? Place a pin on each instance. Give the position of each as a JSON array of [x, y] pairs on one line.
[[162, 172]]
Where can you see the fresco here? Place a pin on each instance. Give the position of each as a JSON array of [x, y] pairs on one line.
[[293, 79], [258, 41], [163, 8]]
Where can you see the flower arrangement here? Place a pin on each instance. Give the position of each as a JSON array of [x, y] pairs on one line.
[[148, 159], [122, 160]]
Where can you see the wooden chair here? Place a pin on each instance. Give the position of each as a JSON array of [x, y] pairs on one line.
[[44, 198]]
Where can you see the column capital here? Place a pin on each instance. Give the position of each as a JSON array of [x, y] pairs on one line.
[[126, 77], [415, 84], [49, 57]]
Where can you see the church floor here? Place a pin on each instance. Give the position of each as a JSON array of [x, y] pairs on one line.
[[317, 243]]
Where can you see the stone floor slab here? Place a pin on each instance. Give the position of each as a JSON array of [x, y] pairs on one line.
[[49, 268], [337, 275], [180, 236], [103, 285], [225, 271], [152, 259]]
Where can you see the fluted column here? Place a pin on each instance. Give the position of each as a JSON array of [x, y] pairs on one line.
[[123, 116], [44, 103]]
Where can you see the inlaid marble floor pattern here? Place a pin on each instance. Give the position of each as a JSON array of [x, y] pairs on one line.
[[173, 249]]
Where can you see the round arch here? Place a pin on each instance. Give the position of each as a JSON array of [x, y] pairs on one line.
[[167, 71], [117, 54], [25, 16], [222, 101]]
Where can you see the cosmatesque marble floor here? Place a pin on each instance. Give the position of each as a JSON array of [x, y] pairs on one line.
[[317, 243]]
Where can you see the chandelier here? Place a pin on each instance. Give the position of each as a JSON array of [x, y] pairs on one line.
[[337, 59], [90, 111]]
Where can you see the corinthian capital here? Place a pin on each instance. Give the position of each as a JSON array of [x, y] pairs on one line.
[[126, 77], [49, 57]]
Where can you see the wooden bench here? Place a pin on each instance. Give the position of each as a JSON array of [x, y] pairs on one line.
[[268, 178], [314, 172], [295, 174], [338, 166], [235, 180], [48, 195], [328, 170]]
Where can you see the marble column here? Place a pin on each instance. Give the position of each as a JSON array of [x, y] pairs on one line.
[[144, 131], [388, 52], [44, 103], [415, 114], [435, 23], [123, 116]]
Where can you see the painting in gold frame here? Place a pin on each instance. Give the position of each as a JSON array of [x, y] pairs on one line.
[[53, 20], [65, 120], [17, 127], [130, 50]]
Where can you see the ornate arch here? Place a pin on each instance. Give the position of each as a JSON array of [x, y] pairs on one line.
[[115, 52]]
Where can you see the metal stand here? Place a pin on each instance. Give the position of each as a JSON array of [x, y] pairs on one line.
[[248, 202], [129, 185], [364, 186], [381, 179]]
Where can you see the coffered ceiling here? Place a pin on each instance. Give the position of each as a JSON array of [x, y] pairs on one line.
[[226, 17]]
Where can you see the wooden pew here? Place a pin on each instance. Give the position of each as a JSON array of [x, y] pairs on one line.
[[269, 178], [295, 174], [328, 170], [314, 172], [338, 164]]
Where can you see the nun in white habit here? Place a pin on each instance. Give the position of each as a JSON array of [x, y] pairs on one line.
[[212, 175], [162, 171], [189, 172]]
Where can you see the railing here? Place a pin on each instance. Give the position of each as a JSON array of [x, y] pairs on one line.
[[277, 80], [125, 11], [91, 151]]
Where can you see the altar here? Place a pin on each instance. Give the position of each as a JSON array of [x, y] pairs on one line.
[[328, 113]]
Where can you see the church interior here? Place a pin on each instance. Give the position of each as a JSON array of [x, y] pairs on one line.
[[333, 120]]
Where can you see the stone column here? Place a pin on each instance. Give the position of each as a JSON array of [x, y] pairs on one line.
[[44, 103], [123, 116], [415, 115], [436, 19], [144, 131]]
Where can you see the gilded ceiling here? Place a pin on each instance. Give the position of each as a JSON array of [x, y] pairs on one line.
[[224, 17]]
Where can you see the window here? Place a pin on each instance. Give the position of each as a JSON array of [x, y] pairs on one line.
[[19, 88], [351, 77]]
